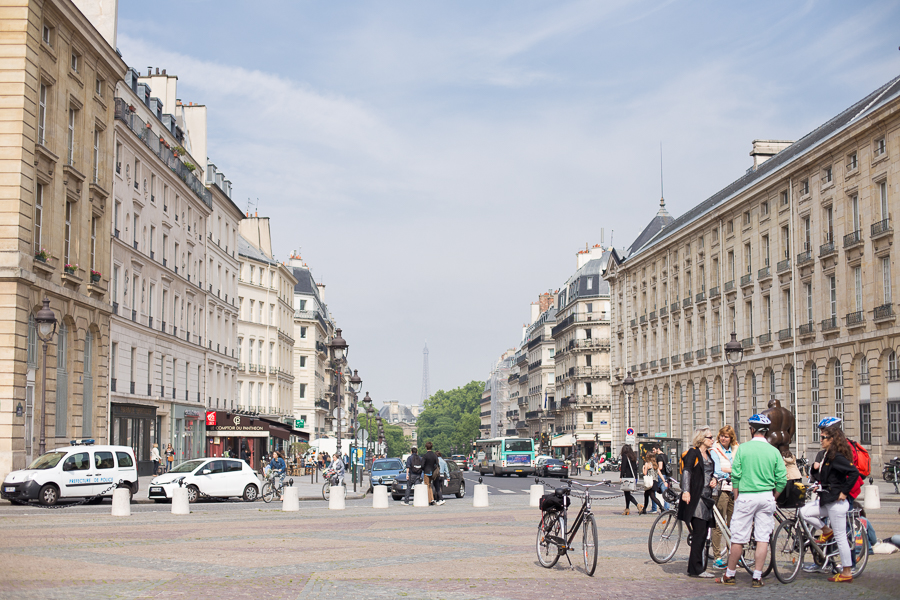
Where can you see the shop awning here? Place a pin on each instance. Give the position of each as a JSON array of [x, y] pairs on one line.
[[227, 424], [587, 437], [563, 441]]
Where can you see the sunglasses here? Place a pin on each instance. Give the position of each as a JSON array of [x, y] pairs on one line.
[[825, 437], [710, 437]]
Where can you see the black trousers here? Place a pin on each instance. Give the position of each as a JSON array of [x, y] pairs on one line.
[[629, 499], [438, 485], [699, 531]]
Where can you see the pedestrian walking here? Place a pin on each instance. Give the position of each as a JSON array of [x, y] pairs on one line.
[[758, 476], [414, 464], [443, 476], [154, 456], [628, 474], [651, 477], [695, 508], [838, 475], [662, 468], [722, 454], [170, 457], [431, 469]]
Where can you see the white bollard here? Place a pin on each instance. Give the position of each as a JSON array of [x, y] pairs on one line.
[[336, 498], [420, 495], [873, 500], [291, 499], [380, 497], [481, 496], [121, 502], [180, 503], [537, 491]]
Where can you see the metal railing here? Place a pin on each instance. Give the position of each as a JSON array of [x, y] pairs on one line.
[[765, 338], [826, 249], [747, 343], [784, 265], [764, 273], [856, 318], [746, 279], [804, 257], [785, 334], [701, 353], [881, 227], [714, 293], [852, 239], [664, 361], [807, 328], [885, 311], [701, 297], [687, 302], [830, 324], [688, 356], [715, 350]]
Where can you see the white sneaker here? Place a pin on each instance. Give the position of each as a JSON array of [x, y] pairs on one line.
[[405, 503], [441, 502]]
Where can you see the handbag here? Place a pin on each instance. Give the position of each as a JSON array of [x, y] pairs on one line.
[[628, 485], [648, 482]]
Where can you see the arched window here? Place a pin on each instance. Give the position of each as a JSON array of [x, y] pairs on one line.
[[660, 412], [62, 380], [838, 391], [771, 385], [709, 414], [793, 386], [753, 402], [694, 408], [893, 375], [814, 400], [863, 371]]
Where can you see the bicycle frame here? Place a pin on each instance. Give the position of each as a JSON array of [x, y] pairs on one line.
[[585, 509]]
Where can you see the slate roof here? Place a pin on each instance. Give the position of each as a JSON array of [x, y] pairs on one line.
[[245, 249], [821, 134], [404, 413], [305, 282], [661, 220]]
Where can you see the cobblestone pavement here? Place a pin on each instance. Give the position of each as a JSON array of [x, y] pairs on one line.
[[451, 552]]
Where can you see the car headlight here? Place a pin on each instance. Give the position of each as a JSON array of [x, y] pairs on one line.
[[377, 480]]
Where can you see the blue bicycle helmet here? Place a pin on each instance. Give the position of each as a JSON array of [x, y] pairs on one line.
[[828, 422], [760, 421]]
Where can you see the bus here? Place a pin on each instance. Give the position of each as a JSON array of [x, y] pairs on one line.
[[505, 456]]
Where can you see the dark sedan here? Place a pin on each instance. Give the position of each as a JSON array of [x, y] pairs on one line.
[[454, 485], [460, 461], [553, 466]]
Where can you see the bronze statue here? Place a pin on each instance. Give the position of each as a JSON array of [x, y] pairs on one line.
[[783, 427]]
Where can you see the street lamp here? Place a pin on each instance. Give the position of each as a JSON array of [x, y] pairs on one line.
[[734, 354], [628, 384], [380, 422], [45, 320], [338, 347]]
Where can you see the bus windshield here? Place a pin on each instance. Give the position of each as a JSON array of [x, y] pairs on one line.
[[517, 446]]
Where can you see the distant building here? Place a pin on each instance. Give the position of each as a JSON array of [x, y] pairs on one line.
[[401, 415]]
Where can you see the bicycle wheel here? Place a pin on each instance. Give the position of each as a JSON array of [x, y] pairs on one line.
[[268, 493], [788, 547], [665, 537], [748, 558], [859, 546], [548, 530], [326, 490], [589, 546]]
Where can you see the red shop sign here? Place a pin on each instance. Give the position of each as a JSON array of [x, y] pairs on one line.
[[210, 418]]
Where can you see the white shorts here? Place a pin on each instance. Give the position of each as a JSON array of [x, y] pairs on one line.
[[753, 511]]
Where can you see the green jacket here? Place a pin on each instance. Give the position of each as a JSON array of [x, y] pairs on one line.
[[758, 467]]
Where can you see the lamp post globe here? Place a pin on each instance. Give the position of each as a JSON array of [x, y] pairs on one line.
[[628, 383], [45, 319], [356, 383], [339, 347], [734, 351]]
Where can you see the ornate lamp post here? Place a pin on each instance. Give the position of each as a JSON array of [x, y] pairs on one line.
[[380, 433], [355, 384], [338, 348], [734, 354], [45, 320], [628, 384]]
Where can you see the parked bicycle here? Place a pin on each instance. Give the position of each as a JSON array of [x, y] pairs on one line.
[[665, 534], [794, 537], [891, 472], [331, 478], [274, 485], [555, 538]]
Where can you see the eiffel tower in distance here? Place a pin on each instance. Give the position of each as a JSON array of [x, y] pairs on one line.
[[425, 394]]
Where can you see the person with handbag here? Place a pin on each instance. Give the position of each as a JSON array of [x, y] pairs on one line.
[[651, 484], [695, 508], [722, 454], [628, 473]]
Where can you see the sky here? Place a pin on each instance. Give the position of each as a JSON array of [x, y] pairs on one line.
[[439, 164]]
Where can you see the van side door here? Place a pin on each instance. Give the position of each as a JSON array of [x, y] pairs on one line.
[[77, 477]]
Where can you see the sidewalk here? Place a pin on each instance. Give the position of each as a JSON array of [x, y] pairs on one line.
[[308, 491]]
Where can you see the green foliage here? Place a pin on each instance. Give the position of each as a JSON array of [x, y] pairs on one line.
[[397, 443], [451, 419]]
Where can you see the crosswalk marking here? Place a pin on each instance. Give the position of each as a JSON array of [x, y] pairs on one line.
[[508, 491]]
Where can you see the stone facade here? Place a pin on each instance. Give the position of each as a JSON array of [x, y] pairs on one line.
[[59, 77], [795, 258], [266, 327]]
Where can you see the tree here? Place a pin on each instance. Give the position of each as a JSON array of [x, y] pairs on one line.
[[397, 443], [451, 419]]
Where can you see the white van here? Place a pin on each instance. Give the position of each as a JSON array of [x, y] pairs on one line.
[[79, 471]]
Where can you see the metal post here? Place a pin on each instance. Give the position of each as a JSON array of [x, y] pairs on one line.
[[43, 444], [734, 405]]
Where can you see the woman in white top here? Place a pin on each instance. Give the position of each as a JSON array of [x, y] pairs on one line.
[[154, 456], [722, 453]]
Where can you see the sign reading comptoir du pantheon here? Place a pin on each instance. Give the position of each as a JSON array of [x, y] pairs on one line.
[[230, 425]]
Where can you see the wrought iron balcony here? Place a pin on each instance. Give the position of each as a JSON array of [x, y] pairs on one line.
[[643, 319], [653, 316], [701, 297], [764, 273], [747, 279], [714, 293], [853, 239], [765, 339], [653, 364], [675, 307], [785, 334], [830, 324], [729, 285], [676, 358], [804, 257], [784, 265], [701, 353], [856, 319], [747, 343], [715, 350], [664, 361], [688, 356], [807, 329], [881, 228], [884, 312], [687, 302], [827, 249], [664, 311]]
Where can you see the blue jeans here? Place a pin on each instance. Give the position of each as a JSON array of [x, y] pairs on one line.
[[662, 488]]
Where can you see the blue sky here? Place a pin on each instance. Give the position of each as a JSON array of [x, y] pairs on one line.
[[439, 164]]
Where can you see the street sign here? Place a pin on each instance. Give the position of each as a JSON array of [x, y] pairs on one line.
[[629, 431], [362, 436], [337, 413], [299, 423], [661, 434], [629, 435]]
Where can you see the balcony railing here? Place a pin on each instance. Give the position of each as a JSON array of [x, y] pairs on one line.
[[653, 364], [701, 353], [852, 239], [884, 312], [653, 316], [701, 297], [674, 307], [688, 356], [746, 279], [881, 228], [765, 339], [664, 311], [664, 361], [784, 265], [533, 414], [784, 334], [729, 285], [830, 324], [676, 358], [804, 257], [764, 273], [714, 293], [687, 302], [807, 328], [747, 343], [634, 322], [643, 319], [715, 350], [826, 250], [855, 319]]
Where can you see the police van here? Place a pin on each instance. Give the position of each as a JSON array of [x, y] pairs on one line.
[[82, 470]]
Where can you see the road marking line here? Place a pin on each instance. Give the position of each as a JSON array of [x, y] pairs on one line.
[[508, 491]]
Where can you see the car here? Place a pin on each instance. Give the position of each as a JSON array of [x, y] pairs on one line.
[[214, 477], [454, 485], [80, 471], [553, 466], [384, 471], [539, 462], [461, 461]]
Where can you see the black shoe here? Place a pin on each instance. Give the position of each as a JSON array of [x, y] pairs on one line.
[[725, 579], [757, 583]]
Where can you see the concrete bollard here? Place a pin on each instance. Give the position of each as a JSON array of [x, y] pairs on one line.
[[121, 502], [336, 499], [380, 497], [420, 495], [291, 499], [180, 503], [873, 500], [537, 491], [480, 499]]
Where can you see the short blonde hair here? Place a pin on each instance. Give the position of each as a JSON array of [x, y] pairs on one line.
[[700, 436], [729, 431]]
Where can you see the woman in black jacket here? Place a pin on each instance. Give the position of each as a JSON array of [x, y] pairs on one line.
[[628, 470], [695, 507], [837, 475]]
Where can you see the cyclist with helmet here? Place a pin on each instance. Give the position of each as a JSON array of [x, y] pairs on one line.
[[758, 476], [835, 471]]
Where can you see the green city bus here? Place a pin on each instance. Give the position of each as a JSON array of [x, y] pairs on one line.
[[505, 456]]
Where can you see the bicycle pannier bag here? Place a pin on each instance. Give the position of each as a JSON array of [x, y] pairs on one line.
[[551, 502]]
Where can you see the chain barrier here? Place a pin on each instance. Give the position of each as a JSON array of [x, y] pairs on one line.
[[581, 494], [81, 502]]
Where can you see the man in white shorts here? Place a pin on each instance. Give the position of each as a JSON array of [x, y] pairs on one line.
[[758, 476]]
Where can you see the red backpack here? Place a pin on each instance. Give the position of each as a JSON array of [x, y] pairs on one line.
[[862, 463]]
